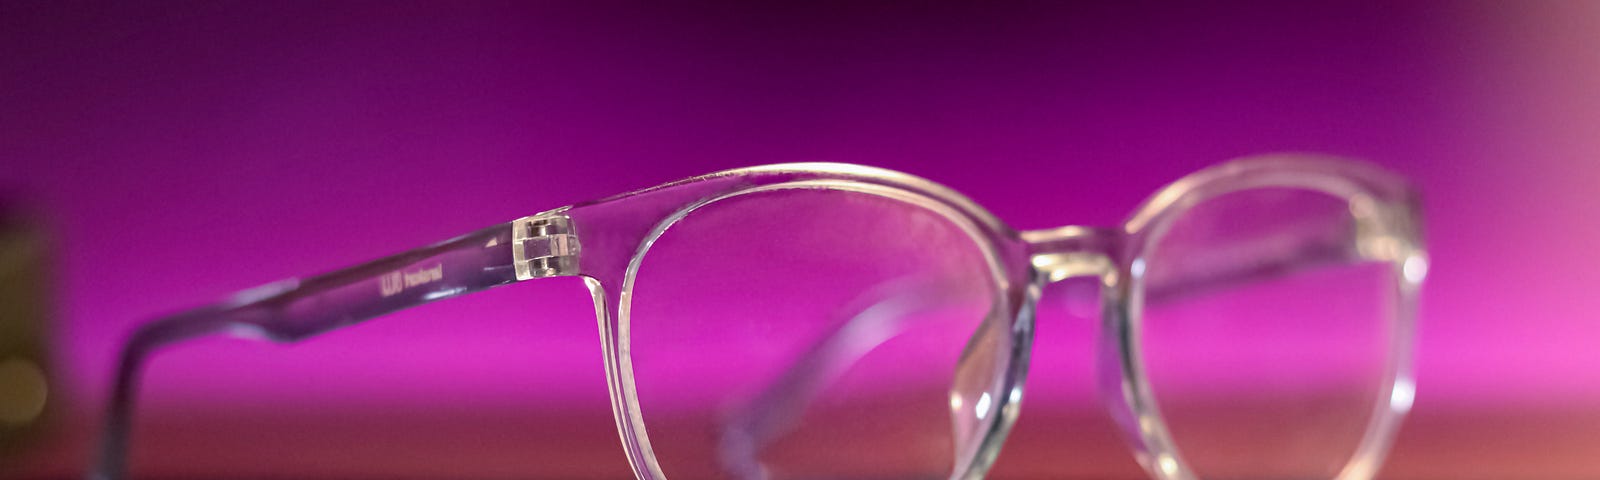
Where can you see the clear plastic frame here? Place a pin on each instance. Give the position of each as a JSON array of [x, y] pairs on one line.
[[1000, 276]]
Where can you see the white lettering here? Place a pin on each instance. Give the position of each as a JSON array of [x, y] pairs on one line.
[[389, 284], [393, 283]]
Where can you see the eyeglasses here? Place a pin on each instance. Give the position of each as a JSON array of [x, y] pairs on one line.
[[840, 321]]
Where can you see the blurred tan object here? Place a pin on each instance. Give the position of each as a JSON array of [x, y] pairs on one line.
[[24, 381]]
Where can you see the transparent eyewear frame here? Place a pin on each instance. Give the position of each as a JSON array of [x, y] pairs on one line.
[[604, 241]]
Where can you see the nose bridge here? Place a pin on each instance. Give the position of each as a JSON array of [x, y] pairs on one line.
[[1073, 251]]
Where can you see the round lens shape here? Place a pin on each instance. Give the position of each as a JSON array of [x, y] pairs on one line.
[[816, 333], [1266, 334]]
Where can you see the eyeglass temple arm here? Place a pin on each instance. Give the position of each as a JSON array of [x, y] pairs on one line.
[[776, 409], [773, 411], [1277, 254], [292, 310]]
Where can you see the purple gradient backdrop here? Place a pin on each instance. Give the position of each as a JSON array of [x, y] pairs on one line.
[[180, 152]]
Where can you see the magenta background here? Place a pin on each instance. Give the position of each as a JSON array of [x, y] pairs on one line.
[[180, 152]]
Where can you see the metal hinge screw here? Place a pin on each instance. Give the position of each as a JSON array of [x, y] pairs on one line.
[[544, 246]]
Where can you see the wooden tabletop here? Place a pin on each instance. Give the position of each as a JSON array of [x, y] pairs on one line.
[[1541, 443]]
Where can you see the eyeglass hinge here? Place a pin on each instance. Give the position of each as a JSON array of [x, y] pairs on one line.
[[544, 245]]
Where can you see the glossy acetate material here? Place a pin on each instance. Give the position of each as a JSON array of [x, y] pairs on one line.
[[1274, 375], [815, 334], [841, 321]]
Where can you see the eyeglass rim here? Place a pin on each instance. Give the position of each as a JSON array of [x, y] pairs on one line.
[[1388, 196], [1388, 200], [971, 463], [500, 248]]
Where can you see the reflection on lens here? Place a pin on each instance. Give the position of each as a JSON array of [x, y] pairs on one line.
[[815, 334], [1265, 334]]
